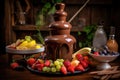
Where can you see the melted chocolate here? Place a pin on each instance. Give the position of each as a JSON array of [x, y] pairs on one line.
[[60, 44]]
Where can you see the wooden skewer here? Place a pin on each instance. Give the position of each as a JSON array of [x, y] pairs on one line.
[[108, 76], [78, 11]]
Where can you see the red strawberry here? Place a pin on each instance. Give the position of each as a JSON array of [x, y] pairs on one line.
[[47, 63], [34, 66], [79, 67], [86, 61], [84, 64], [79, 57], [30, 61], [86, 57], [14, 65], [96, 53], [71, 68], [67, 63], [40, 66], [63, 70]]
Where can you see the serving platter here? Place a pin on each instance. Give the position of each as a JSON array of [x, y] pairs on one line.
[[55, 73], [15, 51]]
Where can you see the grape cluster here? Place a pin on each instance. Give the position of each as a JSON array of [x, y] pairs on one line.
[[104, 51], [54, 66]]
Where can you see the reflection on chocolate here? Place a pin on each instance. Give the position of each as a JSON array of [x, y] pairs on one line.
[[60, 44]]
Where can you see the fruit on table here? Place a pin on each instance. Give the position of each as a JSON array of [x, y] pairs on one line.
[[83, 51], [63, 70], [30, 61], [25, 44], [59, 65], [103, 52], [14, 65]]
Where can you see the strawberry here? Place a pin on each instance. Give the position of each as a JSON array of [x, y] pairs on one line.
[[34, 66], [40, 66], [30, 61], [87, 61], [63, 70], [67, 63], [14, 65], [96, 53], [79, 57], [71, 68], [47, 63], [86, 57], [79, 67], [84, 64]]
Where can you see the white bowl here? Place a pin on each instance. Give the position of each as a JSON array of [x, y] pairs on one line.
[[103, 59]]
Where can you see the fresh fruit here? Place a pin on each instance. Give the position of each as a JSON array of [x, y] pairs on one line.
[[67, 63], [96, 53], [75, 62], [56, 63], [63, 70], [44, 69], [40, 66], [47, 63], [30, 61], [31, 44], [79, 68], [58, 67], [53, 69], [79, 57], [14, 65], [71, 68], [84, 64], [39, 61], [83, 51], [37, 46], [28, 38]]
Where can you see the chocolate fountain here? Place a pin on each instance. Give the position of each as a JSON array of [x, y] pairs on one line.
[[60, 44]]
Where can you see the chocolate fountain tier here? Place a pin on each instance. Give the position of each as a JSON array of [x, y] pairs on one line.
[[60, 28], [60, 46]]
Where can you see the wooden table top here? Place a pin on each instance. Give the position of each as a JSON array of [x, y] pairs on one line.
[[6, 73]]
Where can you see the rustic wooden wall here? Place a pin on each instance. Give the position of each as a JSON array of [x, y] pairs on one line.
[[2, 28]]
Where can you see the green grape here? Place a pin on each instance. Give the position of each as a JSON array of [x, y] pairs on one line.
[[61, 60], [51, 61], [58, 67], [52, 65], [56, 63], [53, 69], [28, 38], [44, 69], [61, 63], [48, 69]]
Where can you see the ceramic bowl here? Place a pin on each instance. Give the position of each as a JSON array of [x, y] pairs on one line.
[[104, 60]]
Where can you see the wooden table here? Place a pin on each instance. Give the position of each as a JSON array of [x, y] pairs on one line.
[[6, 73]]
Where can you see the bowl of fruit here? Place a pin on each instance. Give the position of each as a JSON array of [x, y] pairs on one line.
[[103, 56], [25, 46]]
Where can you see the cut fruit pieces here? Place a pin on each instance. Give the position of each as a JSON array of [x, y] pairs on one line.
[[83, 51]]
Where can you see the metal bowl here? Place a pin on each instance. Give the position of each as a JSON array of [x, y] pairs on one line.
[[104, 60]]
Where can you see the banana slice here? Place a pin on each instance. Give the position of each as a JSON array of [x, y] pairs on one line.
[[83, 51]]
